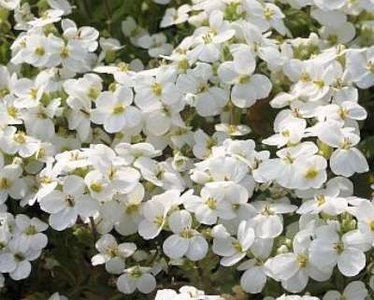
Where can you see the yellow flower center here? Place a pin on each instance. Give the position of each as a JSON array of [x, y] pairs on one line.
[[321, 200], [159, 220], [64, 52], [302, 260], [132, 209], [40, 51], [97, 187], [311, 173], [339, 247], [33, 93], [118, 109], [268, 13], [12, 111], [157, 89], [187, 233], [5, 183], [20, 138], [211, 203]]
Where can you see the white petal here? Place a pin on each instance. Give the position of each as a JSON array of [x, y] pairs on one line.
[[146, 283], [269, 227], [175, 246], [63, 219], [179, 221], [351, 262], [22, 271], [148, 230], [253, 280], [197, 249], [7, 263], [126, 284]]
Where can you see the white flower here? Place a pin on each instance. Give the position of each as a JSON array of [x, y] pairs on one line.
[[81, 93], [175, 16], [290, 130], [248, 88], [329, 249], [130, 205], [346, 160], [209, 38], [115, 112], [16, 141], [154, 92], [112, 254], [155, 212], [185, 241], [355, 290], [365, 217], [268, 223], [254, 278], [16, 261], [294, 269], [65, 206], [209, 100], [234, 249], [30, 232], [361, 66], [136, 278], [209, 206], [326, 201]]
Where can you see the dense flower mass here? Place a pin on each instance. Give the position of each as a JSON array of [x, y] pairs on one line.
[[160, 161]]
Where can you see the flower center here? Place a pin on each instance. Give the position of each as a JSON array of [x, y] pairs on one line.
[[244, 79], [118, 109], [5, 183], [40, 51], [31, 230], [136, 273], [132, 209], [33, 93], [69, 199], [159, 220], [237, 246], [123, 67], [97, 187], [311, 173], [321, 200], [343, 113], [19, 256], [157, 89], [12, 111], [339, 247], [319, 83], [302, 260], [211, 203], [267, 211], [187, 233], [346, 144], [3, 92], [268, 13], [20, 138], [64, 52]]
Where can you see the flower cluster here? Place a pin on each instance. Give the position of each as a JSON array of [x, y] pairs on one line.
[[161, 162]]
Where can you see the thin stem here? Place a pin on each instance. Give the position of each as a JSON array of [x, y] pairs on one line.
[[93, 228], [108, 15]]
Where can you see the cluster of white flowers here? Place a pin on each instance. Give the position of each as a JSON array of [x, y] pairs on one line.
[[163, 153], [21, 241]]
